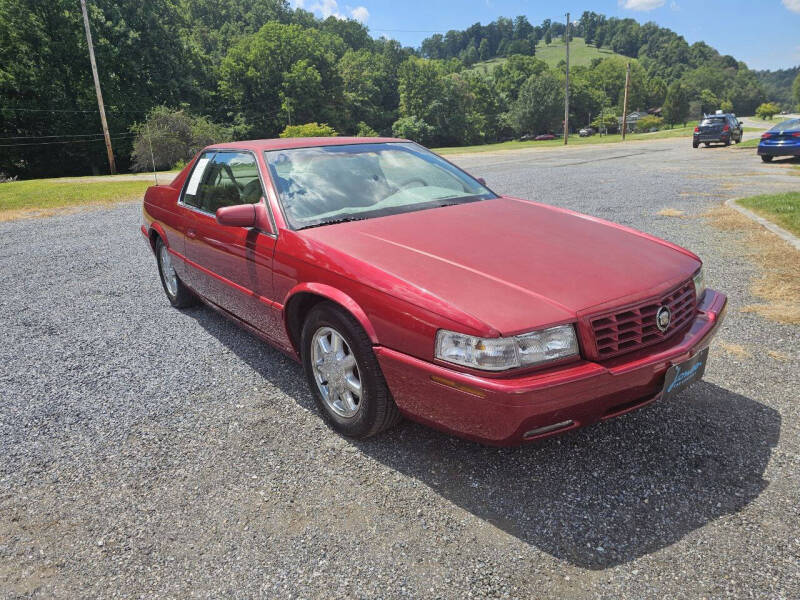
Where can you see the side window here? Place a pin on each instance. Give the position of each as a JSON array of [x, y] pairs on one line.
[[224, 179]]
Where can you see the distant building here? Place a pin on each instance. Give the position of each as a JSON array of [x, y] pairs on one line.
[[632, 119]]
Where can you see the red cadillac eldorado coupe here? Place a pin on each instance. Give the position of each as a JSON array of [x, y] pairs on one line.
[[407, 287]]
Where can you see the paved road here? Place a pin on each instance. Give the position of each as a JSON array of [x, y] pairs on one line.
[[147, 452]]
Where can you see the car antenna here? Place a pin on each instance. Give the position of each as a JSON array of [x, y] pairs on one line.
[[152, 158]]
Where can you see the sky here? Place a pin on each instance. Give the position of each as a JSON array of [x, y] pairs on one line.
[[763, 33]]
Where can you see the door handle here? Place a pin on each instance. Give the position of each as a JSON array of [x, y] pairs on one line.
[[191, 233]]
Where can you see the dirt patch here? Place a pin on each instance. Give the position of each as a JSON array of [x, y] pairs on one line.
[[42, 213], [736, 350], [779, 284], [671, 212], [779, 356]]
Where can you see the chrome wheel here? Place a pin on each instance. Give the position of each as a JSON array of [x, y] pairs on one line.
[[336, 372], [168, 271]]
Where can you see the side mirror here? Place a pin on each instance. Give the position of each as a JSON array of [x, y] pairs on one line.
[[239, 215], [481, 180], [246, 215]]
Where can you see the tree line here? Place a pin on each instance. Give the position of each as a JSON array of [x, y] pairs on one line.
[[204, 70]]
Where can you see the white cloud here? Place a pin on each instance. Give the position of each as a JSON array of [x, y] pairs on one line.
[[792, 5], [647, 4], [360, 14], [326, 8], [674, 6], [330, 8]]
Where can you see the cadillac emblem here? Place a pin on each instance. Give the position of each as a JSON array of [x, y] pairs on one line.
[[663, 317]]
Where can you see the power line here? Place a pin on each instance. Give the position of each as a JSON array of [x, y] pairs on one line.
[[72, 110], [97, 139], [41, 137]]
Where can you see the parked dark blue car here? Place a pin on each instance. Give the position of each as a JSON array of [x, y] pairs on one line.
[[781, 140]]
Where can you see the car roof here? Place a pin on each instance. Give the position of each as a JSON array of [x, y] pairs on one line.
[[306, 142]]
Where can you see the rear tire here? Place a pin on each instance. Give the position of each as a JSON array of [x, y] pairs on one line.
[[708, 144], [178, 294], [728, 142], [767, 157], [344, 375], [695, 144]]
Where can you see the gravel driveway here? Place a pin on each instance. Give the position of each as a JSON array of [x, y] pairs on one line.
[[147, 452]]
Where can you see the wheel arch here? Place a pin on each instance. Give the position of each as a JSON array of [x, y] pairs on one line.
[[156, 231], [302, 298]]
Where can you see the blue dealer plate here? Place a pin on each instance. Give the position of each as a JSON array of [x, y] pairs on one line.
[[682, 375]]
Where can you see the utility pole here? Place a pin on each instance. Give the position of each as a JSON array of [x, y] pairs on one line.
[[106, 135], [566, 88], [625, 101]]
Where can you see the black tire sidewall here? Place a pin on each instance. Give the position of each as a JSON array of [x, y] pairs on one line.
[[172, 299], [363, 423]]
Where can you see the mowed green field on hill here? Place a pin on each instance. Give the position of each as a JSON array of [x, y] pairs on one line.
[[579, 54]]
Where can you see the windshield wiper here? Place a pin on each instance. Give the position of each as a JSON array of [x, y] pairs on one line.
[[334, 222]]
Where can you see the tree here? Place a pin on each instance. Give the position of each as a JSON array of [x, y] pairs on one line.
[[364, 130], [301, 88], [509, 76], [796, 90], [308, 130], [173, 136], [483, 50], [726, 106], [261, 70], [540, 104], [412, 128], [767, 110], [656, 91], [648, 123], [676, 105], [708, 101], [548, 37], [606, 121]]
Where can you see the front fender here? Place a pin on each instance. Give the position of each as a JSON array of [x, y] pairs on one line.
[[334, 295]]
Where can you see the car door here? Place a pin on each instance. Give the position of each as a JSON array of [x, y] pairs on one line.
[[230, 266]]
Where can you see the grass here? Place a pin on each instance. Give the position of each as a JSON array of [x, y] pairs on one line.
[[783, 209], [749, 143], [778, 287], [573, 140], [579, 54], [40, 197]]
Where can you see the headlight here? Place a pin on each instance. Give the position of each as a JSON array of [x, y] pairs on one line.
[[699, 284], [499, 354]]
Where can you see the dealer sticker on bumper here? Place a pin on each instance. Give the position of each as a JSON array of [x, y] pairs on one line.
[[681, 376]]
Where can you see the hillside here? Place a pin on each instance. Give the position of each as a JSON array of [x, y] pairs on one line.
[[579, 54]]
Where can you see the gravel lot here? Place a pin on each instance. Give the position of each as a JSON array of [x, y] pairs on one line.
[[147, 452]]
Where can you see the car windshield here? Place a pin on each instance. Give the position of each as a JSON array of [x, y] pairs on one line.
[[787, 125], [713, 120], [331, 184]]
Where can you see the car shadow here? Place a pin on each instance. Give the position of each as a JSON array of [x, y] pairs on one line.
[[597, 497]]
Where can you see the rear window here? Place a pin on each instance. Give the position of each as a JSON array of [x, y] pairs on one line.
[[713, 121], [787, 125]]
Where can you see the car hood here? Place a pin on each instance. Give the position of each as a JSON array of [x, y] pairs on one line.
[[510, 263]]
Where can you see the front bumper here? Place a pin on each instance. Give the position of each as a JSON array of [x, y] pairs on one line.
[[504, 411]]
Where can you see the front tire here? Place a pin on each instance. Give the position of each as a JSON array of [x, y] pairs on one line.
[[695, 144], [767, 157], [344, 375], [178, 294]]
